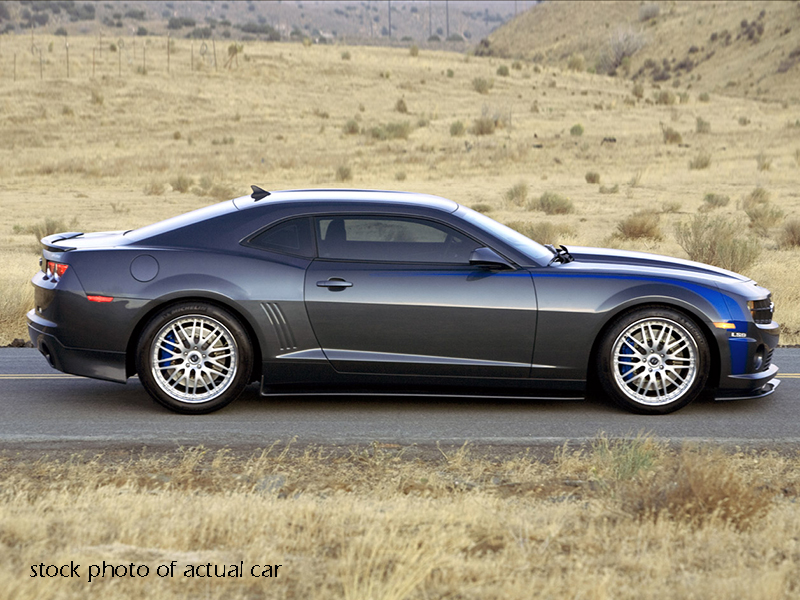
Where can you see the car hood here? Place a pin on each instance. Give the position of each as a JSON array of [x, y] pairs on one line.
[[644, 261]]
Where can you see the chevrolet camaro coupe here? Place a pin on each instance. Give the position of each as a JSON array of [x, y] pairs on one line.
[[391, 293]]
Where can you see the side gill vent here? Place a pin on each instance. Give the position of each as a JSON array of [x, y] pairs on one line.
[[281, 327]]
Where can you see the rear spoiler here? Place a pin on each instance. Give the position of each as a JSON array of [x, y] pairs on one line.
[[51, 242]]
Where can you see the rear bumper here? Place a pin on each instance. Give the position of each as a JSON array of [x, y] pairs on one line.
[[76, 361]]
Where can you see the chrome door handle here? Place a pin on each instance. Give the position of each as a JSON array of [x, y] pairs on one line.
[[334, 283]]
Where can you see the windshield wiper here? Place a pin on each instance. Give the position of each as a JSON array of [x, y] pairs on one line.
[[560, 254]]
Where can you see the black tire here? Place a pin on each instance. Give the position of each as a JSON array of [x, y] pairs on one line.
[[653, 360], [194, 358]]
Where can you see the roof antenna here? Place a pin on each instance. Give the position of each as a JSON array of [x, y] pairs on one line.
[[258, 193]]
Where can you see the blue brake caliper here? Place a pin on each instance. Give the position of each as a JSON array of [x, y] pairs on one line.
[[626, 367], [162, 353]]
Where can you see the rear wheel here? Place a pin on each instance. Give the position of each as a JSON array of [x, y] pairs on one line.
[[194, 358], [653, 360]]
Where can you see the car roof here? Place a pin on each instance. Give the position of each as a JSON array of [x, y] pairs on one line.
[[350, 195]]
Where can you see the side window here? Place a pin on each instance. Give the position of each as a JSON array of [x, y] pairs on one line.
[[391, 239], [287, 237]]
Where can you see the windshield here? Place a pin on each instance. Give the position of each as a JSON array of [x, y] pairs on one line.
[[536, 252]]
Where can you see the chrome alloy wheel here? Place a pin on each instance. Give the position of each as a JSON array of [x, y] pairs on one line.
[[655, 361], [194, 358]]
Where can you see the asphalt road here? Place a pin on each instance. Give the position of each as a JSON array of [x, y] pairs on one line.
[[41, 407]]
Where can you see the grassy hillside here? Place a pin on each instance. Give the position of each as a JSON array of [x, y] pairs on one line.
[[364, 21], [123, 142], [736, 48]]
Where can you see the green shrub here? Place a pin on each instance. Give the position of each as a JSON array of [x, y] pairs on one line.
[[638, 90], [482, 207], [592, 177], [400, 176], [503, 71], [552, 204], [49, 226], [481, 85], [346, 55], [154, 188], [712, 201], [703, 126], [516, 65], [672, 206], [671, 136], [391, 131], [704, 97], [576, 62], [790, 236], [764, 217], [181, 184], [457, 129], [665, 97], [643, 224], [344, 173], [483, 126], [351, 127], [414, 50], [701, 161], [401, 107], [451, 73], [609, 190], [717, 241], [576, 130], [743, 121], [758, 196], [517, 195]]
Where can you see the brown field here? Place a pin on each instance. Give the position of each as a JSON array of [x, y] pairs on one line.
[[119, 151], [629, 519]]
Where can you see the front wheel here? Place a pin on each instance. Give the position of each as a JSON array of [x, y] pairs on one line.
[[653, 361], [194, 358]]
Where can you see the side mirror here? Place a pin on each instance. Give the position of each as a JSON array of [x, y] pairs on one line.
[[488, 259]]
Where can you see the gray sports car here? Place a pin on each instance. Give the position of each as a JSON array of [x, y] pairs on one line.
[[370, 292]]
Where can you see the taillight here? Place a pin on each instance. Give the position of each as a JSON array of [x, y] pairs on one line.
[[55, 270]]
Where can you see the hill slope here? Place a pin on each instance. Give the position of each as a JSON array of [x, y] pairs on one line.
[[737, 48]]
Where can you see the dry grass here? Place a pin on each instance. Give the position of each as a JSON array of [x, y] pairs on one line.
[[552, 204], [791, 234], [544, 232], [717, 241], [640, 225], [74, 163], [517, 195], [609, 520]]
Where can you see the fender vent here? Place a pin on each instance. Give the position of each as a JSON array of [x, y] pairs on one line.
[[281, 327]]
